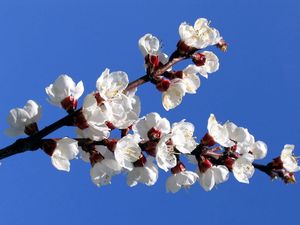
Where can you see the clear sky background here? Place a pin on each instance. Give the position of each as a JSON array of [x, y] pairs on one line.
[[257, 87]]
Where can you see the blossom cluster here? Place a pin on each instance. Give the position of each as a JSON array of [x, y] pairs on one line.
[[149, 143]]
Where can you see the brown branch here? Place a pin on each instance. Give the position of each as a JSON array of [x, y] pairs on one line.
[[33, 142]]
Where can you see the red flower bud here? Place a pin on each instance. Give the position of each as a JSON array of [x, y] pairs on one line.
[[69, 103], [178, 168], [111, 144], [205, 165], [199, 59], [49, 146], [228, 162], [152, 60], [140, 162], [208, 140], [98, 98], [163, 84], [80, 121], [154, 134], [110, 125], [31, 129]]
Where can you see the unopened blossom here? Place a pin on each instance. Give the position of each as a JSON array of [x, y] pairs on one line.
[[66, 150], [289, 161], [151, 126], [218, 132], [200, 35], [111, 84], [128, 151], [180, 180], [182, 137], [213, 176], [211, 64], [243, 169], [20, 118], [64, 91], [149, 45], [172, 97], [146, 174]]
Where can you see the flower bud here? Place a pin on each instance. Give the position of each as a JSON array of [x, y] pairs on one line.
[[222, 45], [208, 140], [184, 49], [199, 59], [178, 168], [140, 162], [205, 165], [95, 156], [80, 121], [110, 125], [31, 129], [69, 103], [228, 162], [49, 146], [154, 134], [163, 84], [152, 61], [149, 147], [111, 144]]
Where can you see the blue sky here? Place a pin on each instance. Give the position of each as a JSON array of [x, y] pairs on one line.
[[257, 87]]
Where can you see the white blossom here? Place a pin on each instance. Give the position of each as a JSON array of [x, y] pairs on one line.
[[218, 132], [211, 64], [62, 88], [19, 118], [200, 35], [111, 84], [165, 157], [245, 141], [259, 150], [213, 176], [94, 132], [146, 174], [123, 111], [180, 180], [149, 45], [243, 169], [182, 137], [289, 161], [66, 150], [151, 120], [190, 79], [172, 97], [102, 172], [128, 151]]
